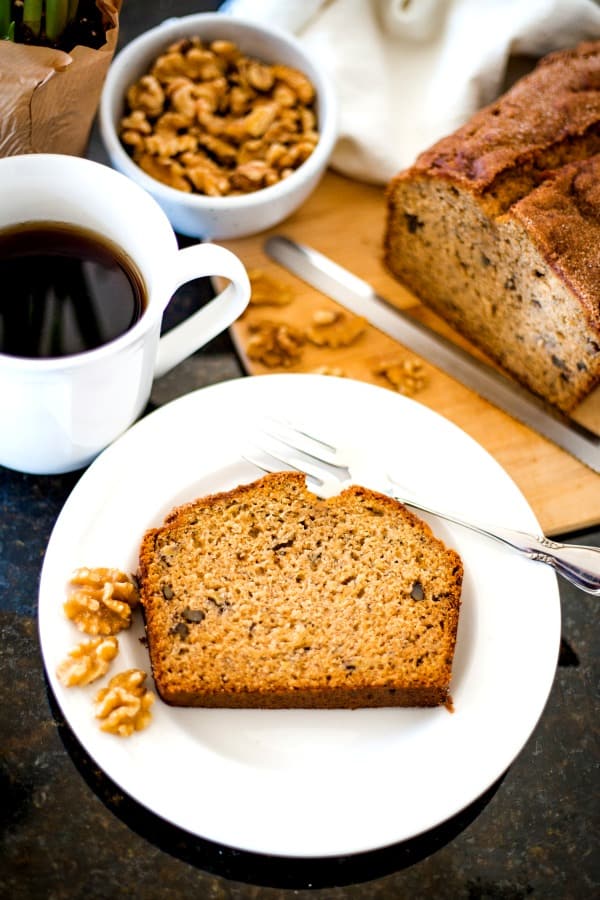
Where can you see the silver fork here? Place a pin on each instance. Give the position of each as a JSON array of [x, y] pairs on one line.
[[324, 464]]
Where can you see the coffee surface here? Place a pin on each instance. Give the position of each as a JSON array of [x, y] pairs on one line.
[[64, 290]]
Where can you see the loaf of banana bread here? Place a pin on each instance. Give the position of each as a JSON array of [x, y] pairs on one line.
[[497, 227], [269, 596]]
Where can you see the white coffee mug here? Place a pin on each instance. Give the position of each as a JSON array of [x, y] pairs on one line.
[[57, 414]]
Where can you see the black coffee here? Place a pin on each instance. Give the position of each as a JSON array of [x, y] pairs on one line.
[[64, 290]]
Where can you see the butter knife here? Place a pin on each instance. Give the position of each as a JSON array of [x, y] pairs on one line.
[[359, 297]]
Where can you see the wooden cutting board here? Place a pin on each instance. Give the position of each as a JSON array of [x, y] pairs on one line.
[[345, 220]]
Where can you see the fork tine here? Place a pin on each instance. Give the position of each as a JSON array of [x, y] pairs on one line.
[[258, 459], [295, 462], [298, 449], [316, 448], [302, 430], [261, 462]]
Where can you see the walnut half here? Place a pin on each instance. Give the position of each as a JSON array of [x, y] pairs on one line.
[[407, 376], [124, 705], [100, 600], [268, 291], [87, 661], [274, 344], [335, 329]]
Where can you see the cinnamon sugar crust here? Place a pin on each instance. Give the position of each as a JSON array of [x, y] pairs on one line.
[[546, 119]]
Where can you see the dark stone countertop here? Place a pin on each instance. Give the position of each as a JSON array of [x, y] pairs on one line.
[[68, 832]]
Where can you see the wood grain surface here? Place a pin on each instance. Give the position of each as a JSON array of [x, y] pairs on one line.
[[345, 220]]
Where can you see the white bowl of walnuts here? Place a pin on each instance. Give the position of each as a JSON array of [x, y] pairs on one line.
[[228, 124]]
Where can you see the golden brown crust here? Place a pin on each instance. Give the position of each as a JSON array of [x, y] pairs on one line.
[[268, 596], [330, 697]]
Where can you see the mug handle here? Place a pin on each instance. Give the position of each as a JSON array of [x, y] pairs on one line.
[[195, 262]]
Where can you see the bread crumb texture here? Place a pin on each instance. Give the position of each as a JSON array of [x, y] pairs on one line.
[[497, 227], [269, 596]]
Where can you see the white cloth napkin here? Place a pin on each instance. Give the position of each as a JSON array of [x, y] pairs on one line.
[[408, 72]]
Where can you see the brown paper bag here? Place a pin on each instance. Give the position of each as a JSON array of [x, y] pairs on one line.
[[48, 98]]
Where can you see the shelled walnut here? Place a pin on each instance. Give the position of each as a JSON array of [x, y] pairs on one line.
[[124, 704], [335, 329], [87, 661], [274, 344], [100, 600], [206, 118], [407, 376], [268, 291]]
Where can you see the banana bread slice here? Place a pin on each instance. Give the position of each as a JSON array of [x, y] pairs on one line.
[[497, 227], [269, 596]]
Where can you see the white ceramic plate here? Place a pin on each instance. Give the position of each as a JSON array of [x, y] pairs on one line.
[[307, 783]]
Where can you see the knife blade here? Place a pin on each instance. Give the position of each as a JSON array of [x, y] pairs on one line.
[[359, 297]]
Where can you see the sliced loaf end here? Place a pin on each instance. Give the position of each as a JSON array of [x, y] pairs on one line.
[[513, 284]]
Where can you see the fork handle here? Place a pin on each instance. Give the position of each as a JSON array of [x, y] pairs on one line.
[[577, 563]]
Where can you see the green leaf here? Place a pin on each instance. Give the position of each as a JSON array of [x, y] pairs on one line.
[[58, 14], [56, 18], [32, 16], [5, 19]]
